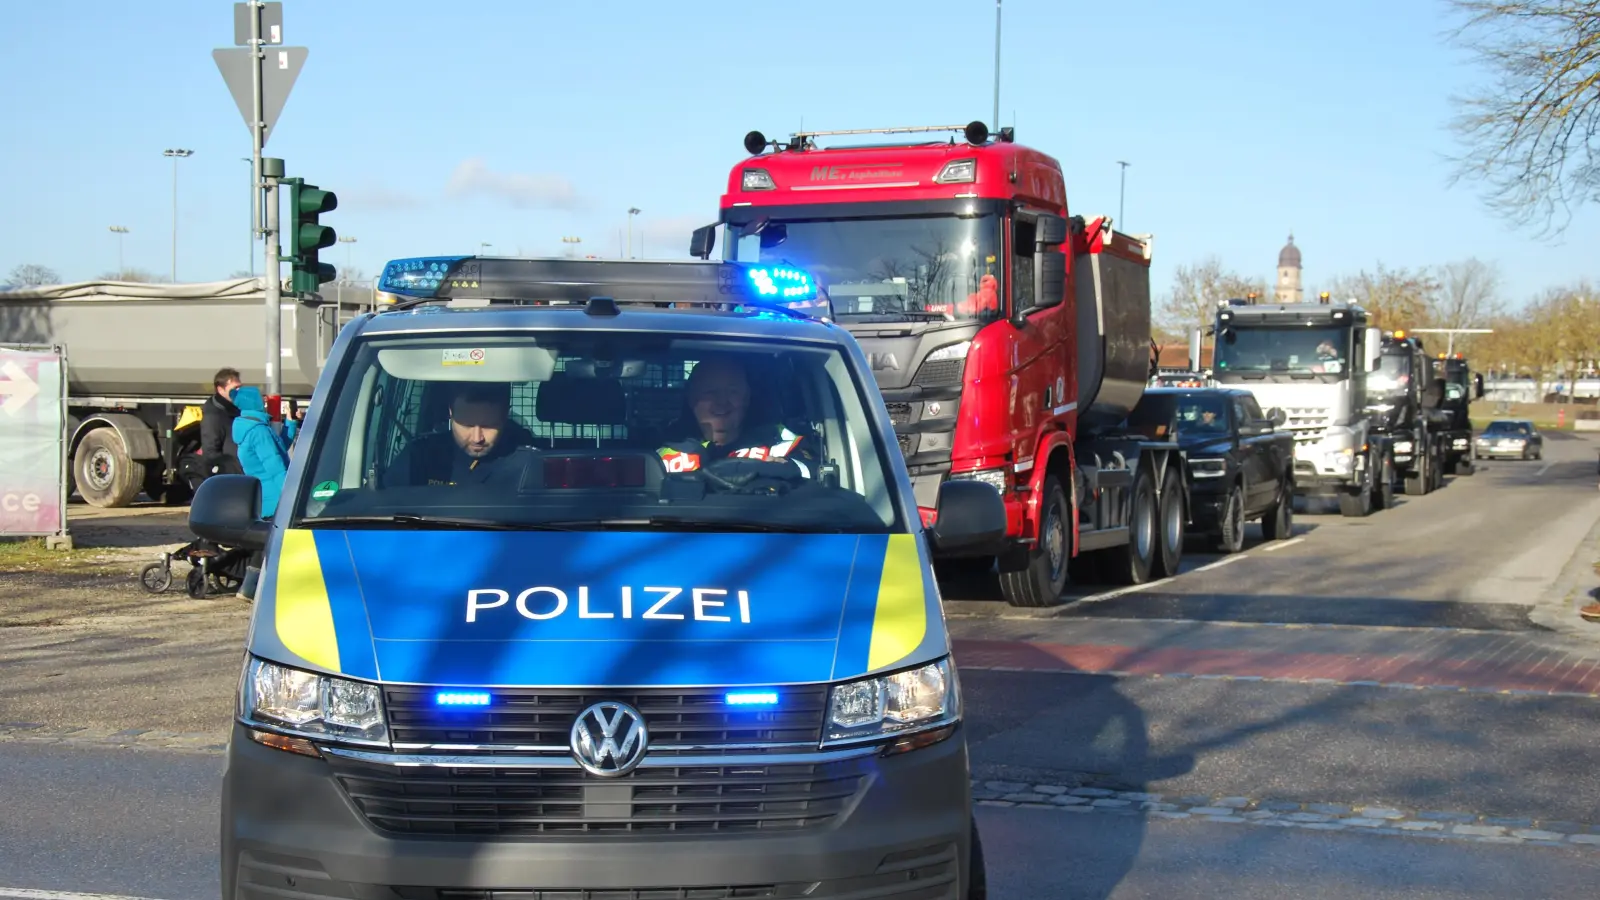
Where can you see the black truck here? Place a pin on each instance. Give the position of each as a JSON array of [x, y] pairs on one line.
[[1242, 463], [1404, 400], [1461, 387]]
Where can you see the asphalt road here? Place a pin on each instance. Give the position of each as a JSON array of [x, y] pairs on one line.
[[1211, 736]]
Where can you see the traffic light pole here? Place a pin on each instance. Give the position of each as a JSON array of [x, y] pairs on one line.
[[272, 170]]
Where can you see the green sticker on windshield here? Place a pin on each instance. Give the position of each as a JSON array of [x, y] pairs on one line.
[[325, 490]]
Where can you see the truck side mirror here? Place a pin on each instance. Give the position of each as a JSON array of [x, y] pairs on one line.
[[1374, 349], [970, 516], [227, 510], [1050, 230], [1477, 386], [703, 241], [1049, 278], [1277, 417]]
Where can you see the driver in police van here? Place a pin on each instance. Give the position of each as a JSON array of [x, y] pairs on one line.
[[718, 397], [481, 439]]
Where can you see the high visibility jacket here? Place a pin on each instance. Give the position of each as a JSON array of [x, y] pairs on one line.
[[768, 443]]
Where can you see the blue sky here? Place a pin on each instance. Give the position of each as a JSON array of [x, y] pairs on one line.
[[443, 126]]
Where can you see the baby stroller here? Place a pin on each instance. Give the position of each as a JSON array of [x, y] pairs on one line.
[[214, 569]]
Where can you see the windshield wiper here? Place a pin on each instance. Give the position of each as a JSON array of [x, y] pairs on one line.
[[415, 520], [682, 523]]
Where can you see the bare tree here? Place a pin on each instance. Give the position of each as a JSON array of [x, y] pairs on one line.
[[1396, 298], [1530, 133], [1196, 291], [33, 275], [136, 276]]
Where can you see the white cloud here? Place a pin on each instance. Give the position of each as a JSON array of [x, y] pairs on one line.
[[523, 191]]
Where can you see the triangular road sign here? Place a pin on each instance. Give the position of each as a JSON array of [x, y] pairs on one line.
[[280, 67]]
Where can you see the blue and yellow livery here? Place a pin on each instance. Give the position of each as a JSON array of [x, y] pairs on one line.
[[498, 643]]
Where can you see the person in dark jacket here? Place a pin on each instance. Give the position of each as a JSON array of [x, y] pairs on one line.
[[218, 453], [482, 443]]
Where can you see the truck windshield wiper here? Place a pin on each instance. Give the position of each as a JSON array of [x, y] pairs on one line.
[[414, 520]]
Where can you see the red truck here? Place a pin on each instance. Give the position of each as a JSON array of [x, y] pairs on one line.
[[1010, 337]]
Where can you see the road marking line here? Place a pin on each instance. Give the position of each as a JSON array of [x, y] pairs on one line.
[[1226, 560], [1275, 546], [1113, 594], [1543, 470], [28, 894]]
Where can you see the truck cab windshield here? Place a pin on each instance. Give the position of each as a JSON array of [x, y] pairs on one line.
[[599, 430], [1247, 350], [925, 267], [1393, 375]]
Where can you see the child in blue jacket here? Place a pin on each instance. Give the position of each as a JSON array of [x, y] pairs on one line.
[[264, 455]]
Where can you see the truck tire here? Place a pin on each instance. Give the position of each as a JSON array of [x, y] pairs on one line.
[[106, 477], [1230, 522], [1133, 562], [1174, 523], [1278, 523], [1420, 483], [1383, 487], [1356, 504], [1041, 575]]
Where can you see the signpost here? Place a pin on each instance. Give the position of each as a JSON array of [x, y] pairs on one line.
[[33, 443], [260, 74]]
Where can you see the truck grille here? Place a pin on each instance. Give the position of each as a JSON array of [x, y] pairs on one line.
[[482, 800], [899, 413], [528, 717], [907, 442], [940, 373], [1307, 424]]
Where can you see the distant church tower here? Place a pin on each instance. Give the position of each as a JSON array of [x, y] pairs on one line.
[[1289, 273]]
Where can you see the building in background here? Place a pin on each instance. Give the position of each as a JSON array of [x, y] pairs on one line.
[[1289, 273]]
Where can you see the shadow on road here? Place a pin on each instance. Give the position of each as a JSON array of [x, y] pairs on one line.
[[1100, 735]]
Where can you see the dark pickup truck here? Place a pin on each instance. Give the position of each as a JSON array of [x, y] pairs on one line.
[[1243, 466]]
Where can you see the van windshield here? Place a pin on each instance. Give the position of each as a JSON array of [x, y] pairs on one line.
[[598, 430]]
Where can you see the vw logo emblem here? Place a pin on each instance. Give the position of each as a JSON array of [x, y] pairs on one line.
[[609, 739]]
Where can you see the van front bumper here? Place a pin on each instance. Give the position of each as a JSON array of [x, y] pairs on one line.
[[291, 830]]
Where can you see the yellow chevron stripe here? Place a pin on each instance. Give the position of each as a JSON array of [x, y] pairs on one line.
[[304, 615], [901, 619]]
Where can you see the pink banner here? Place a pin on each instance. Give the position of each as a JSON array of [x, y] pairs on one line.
[[32, 429]]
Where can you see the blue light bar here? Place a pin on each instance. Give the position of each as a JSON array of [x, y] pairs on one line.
[[782, 281], [462, 698], [418, 276], [751, 698]]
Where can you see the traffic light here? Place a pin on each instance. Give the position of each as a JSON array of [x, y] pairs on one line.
[[307, 236]]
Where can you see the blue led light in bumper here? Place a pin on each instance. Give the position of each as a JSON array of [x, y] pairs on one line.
[[461, 698], [751, 698]]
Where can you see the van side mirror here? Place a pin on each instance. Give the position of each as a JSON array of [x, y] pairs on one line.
[[703, 241], [227, 509], [970, 516]]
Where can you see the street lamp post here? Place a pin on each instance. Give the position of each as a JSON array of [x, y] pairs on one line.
[[119, 231], [632, 211], [483, 245], [176, 155], [572, 245], [344, 276], [254, 214], [1122, 191]]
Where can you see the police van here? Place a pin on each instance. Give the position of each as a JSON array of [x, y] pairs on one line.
[[597, 579]]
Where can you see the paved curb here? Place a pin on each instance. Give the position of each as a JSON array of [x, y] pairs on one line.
[[1557, 610], [131, 738], [1362, 818]]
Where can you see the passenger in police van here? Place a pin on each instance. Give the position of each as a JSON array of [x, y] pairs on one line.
[[719, 396], [480, 444]]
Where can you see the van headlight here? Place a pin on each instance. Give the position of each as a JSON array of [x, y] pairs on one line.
[[888, 705], [311, 705]]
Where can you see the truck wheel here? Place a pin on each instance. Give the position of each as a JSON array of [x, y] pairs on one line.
[[1132, 562], [1230, 527], [1419, 483], [1042, 575], [1278, 523], [106, 477], [1355, 505], [1383, 488], [1173, 522]]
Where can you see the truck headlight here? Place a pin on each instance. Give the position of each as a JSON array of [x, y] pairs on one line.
[[311, 705], [1209, 468], [995, 477], [874, 708], [950, 351], [1342, 460], [1402, 446]]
